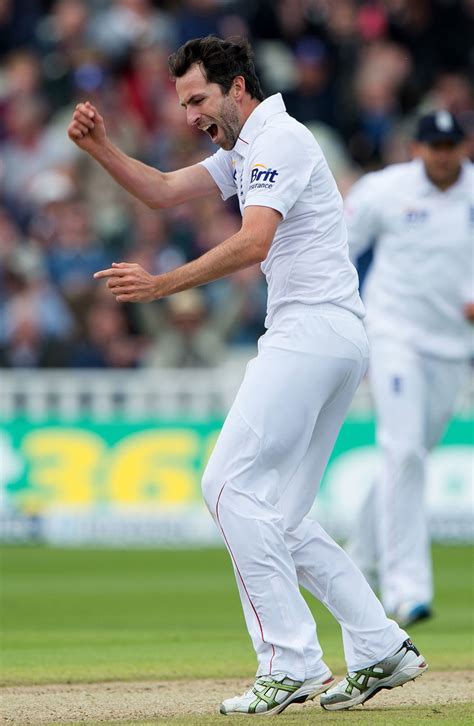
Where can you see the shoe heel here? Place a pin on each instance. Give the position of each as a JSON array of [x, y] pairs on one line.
[[409, 672]]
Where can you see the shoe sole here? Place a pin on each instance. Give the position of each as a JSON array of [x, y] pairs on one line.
[[401, 676], [303, 694]]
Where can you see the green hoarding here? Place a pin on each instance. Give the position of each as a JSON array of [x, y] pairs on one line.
[[87, 463], [85, 467]]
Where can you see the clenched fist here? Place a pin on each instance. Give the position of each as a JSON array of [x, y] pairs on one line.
[[87, 128]]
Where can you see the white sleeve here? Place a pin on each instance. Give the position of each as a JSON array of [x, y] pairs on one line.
[[219, 166], [362, 214], [280, 169]]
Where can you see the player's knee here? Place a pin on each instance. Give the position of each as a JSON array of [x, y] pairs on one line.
[[221, 493]]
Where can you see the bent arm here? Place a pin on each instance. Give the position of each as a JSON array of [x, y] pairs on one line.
[[130, 283], [245, 248], [153, 187]]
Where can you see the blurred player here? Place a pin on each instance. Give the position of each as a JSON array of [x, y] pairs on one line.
[[265, 470], [418, 294]]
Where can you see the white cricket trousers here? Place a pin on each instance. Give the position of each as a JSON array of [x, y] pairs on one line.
[[260, 484], [414, 397]]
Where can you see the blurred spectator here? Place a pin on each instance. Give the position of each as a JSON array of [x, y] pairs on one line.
[[35, 323], [451, 90], [48, 190], [151, 244], [126, 24], [357, 72], [146, 85], [28, 148], [215, 222], [63, 35], [22, 75], [336, 154], [312, 98], [381, 73], [16, 250], [411, 25], [248, 288], [285, 20], [106, 340], [74, 253], [198, 18], [192, 335], [27, 340], [106, 200], [436, 34], [18, 21], [371, 21]]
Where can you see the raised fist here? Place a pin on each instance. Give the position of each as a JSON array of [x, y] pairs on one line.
[[87, 128]]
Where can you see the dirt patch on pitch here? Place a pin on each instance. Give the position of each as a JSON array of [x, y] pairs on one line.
[[116, 701]]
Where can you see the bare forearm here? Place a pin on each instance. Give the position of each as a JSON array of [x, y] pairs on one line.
[[129, 282], [142, 181], [155, 188], [236, 253]]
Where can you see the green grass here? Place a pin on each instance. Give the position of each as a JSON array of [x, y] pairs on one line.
[[87, 615], [450, 715]]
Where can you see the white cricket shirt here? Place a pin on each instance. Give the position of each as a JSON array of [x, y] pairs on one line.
[[277, 163], [422, 272]]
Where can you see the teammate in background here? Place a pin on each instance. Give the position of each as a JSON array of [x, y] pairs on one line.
[[265, 470], [418, 295]]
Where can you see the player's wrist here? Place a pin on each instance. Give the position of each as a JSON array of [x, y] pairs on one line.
[[101, 149], [158, 288]]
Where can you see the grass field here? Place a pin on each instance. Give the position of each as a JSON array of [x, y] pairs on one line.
[[453, 716], [94, 615], [78, 615]]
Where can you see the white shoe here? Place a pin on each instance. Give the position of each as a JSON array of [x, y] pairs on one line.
[[405, 665], [273, 695]]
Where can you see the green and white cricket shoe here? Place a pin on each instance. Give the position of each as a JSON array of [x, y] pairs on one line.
[[271, 695], [405, 665]]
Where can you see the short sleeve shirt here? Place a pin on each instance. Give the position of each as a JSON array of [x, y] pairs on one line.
[[277, 163], [422, 273]]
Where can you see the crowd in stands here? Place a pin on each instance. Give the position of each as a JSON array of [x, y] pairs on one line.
[[356, 72]]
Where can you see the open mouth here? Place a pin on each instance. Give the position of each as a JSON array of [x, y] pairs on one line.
[[212, 130]]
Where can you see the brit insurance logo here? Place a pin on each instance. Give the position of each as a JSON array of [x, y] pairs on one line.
[[262, 177]]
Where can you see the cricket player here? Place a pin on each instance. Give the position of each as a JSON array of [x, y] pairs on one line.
[[419, 293], [265, 470]]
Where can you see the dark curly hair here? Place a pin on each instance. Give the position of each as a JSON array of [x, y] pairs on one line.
[[221, 61]]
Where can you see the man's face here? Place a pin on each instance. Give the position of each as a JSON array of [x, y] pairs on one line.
[[442, 161], [208, 108]]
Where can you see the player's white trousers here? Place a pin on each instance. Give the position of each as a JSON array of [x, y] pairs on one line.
[[261, 481], [414, 398]]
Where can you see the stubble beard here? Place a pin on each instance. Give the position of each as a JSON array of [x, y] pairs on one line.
[[230, 124]]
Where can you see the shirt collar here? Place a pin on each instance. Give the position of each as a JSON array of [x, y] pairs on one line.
[[259, 116]]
